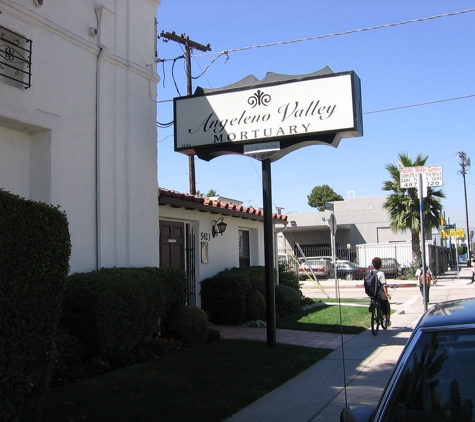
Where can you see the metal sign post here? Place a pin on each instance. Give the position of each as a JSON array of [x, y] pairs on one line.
[[269, 253], [421, 178], [333, 226], [423, 241]]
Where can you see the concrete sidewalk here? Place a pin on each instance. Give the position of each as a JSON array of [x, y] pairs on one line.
[[318, 393]]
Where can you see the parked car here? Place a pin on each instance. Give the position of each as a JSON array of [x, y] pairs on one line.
[[350, 270], [433, 378], [390, 267], [321, 268]]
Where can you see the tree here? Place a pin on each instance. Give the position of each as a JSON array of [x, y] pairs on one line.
[[210, 193], [403, 204], [322, 194]]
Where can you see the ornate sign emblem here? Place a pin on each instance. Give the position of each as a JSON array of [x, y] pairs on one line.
[[259, 98]]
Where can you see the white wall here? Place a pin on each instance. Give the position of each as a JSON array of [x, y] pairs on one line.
[[50, 133], [223, 250]]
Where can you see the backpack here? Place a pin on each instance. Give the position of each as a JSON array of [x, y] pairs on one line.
[[427, 278], [371, 283]]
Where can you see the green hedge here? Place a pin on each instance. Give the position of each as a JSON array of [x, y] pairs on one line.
[[237, 295], [34, 263], [113, 309], [287, 300], [224, 296]]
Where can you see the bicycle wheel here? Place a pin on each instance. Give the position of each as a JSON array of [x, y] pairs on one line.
[[375, 318]]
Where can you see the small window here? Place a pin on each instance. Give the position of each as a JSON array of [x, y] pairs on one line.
[[15, 59], [244, 252]]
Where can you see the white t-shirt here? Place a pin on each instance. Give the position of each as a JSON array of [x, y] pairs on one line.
[[382, 282], [419, 273]]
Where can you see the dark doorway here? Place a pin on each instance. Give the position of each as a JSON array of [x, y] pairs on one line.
[[172, 244]]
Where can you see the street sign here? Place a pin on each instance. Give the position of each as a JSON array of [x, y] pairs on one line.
[[431, 176], [331, 222], [447, 227], [455, 233], [408, 177]]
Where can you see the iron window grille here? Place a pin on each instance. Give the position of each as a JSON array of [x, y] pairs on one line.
[[15, 58]]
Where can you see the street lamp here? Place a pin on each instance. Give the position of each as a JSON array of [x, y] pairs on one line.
[[465, 163]]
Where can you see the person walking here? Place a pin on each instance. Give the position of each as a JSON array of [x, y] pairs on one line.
[[473, 269], [384, 296], [424, 283]]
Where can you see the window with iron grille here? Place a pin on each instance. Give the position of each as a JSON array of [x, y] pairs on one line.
[[15, 59]]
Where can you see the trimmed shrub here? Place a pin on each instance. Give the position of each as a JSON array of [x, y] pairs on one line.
[[110, 311], [223, 297], [256, 306], [256, 275], [214, 335], [187, 324], [34, 263], [287, 300], [174, 285], [287, 277]]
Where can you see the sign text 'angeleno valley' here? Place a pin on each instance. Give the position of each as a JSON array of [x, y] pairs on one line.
[[288, 119]]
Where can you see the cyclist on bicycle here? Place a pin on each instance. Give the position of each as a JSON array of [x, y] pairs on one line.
[[384, 296]]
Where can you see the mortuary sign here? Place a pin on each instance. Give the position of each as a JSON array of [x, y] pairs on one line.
[[271, 117]]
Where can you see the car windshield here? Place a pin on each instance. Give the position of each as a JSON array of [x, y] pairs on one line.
[[437, 381]]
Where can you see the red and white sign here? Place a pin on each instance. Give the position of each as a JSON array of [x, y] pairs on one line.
[[431, 176]]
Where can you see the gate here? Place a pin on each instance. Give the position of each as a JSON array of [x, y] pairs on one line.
[[190, 266]]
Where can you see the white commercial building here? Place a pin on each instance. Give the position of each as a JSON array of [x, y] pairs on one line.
[[359, 221]]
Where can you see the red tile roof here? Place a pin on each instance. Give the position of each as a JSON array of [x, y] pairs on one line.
[[192, 202]]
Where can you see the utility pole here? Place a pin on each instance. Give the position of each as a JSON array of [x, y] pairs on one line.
[[189, 45], [465, 163]]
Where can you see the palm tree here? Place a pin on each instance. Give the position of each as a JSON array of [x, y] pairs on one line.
[[403, 204]]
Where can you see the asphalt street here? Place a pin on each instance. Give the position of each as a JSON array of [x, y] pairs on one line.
[[451, 285]]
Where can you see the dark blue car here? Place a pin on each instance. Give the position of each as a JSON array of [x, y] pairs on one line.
[[434, 378]]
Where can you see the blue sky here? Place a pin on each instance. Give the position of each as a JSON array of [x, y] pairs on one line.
[[399, 67]]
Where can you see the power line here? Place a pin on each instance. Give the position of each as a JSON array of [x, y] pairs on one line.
[[419, 104], [399, 107], [165, 125], [335, 34], [352, 31]]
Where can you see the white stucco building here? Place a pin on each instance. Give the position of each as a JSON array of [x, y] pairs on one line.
[[78, 121], [189, 237]]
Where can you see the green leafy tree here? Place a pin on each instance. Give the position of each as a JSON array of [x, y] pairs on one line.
[[210, 193], [403, 204], [322, 194]]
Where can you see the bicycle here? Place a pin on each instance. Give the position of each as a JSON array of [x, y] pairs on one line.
[[377, 317]]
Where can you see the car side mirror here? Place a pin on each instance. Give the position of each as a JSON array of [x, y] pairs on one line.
[[358, 414]]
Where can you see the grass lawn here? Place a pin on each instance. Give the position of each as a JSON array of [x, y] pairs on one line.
[[205, 383], [326, 318]]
